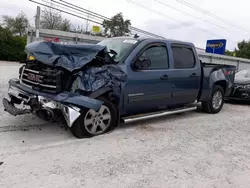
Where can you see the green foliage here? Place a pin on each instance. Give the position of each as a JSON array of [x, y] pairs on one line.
[[243, 50], [17, 25], [229, 53], [116, 26], [11, 47]]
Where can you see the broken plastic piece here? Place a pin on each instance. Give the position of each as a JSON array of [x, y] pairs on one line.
[[12, 109]]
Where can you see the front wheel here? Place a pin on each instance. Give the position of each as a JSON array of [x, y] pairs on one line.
[[93, 123], [216, 101]]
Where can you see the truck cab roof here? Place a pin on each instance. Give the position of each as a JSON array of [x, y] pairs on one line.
[[151, 39]]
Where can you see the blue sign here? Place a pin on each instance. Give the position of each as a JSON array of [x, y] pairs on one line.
[[217, 46]]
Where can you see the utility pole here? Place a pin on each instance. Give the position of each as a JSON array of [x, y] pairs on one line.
[[37, 21]]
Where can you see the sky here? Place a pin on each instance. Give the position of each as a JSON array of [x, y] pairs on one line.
[[168, 18]]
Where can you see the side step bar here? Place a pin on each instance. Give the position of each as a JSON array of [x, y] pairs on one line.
[[158, 114]]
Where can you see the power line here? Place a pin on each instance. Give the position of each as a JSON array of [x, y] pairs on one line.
[[106, 18], [81, 16], [188, 14], [169, 17], [86, 10], [64, 11], [69, 5], [211, 15], [74, 11]]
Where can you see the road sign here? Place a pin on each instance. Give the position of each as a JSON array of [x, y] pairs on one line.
[[217, 46], [96, 29]]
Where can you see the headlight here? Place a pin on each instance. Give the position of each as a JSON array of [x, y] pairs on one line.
[[246, 86], [30, 57]]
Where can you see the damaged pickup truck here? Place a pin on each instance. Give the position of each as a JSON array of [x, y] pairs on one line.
[[123, 79]]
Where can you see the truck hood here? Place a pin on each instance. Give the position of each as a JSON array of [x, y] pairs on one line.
[[70, 57], [241, 80], [242, 77]]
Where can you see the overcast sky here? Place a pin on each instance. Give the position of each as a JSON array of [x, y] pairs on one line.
[[161, 19]]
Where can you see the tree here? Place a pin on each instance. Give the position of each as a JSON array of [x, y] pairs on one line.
[[116, 26], [17, 25], [65, 25], [243, 49], [52, 19], [229, 53], [11, 47]]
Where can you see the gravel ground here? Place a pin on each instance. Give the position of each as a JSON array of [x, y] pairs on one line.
[[186, 150]]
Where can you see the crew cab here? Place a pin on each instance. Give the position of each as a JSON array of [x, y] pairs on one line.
[[121, 79]]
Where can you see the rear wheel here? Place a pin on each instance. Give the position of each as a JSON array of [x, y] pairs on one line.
[[93, 123], [216, 101]]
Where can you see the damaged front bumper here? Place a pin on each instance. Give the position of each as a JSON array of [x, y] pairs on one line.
[[240, 93], [70, 104]]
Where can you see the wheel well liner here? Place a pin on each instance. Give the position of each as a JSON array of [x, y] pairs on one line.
[[222, 83]]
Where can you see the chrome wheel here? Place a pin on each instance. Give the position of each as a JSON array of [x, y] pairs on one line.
[[97, 122], [217, 100]]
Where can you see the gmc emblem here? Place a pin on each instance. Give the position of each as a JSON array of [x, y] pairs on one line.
[[35, 78]]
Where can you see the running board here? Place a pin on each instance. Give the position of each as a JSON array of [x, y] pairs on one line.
[[157, 114]]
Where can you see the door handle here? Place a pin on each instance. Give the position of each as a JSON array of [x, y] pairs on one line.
[[193, 75], [165, 77]]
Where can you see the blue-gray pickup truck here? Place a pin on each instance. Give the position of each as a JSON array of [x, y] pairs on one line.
[[95, 87]]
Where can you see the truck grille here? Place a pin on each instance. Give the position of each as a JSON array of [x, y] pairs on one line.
[[43, 78]]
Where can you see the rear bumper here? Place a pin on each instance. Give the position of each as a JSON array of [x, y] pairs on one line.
[[69, 103]]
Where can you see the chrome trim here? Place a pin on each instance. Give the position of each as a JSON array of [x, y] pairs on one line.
[[52, 105], [70, 114], [159, 114], [37, 72], [13, 91], [38, 84], [21, 79]]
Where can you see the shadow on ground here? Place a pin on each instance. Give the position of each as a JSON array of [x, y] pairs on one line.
[[238, 102]]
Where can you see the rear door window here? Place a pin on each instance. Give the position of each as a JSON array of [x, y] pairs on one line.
[[183, 57]]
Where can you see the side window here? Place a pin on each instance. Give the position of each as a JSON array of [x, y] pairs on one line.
[[183, 57], [158, 56]]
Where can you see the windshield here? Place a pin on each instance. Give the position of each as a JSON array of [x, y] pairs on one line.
[[121, 46]]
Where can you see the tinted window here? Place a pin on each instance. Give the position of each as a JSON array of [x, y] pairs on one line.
[[158, 56], [183, 57]]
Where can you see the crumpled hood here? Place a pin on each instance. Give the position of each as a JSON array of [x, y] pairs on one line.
[[70, 57]]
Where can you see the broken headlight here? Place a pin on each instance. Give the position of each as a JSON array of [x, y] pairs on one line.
[[246, 86]]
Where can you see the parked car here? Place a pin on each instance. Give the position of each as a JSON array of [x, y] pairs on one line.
[[95, 87], [241, 89]]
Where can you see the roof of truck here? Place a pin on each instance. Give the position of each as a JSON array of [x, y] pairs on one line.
[[159, 39]]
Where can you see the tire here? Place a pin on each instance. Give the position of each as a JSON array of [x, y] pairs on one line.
[[82, 130], [216, 101]]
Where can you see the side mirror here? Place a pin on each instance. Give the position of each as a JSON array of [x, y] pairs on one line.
[[142, 62]]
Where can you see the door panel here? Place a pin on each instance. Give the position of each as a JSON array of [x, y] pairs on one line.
[[187, 74], [150, 87]]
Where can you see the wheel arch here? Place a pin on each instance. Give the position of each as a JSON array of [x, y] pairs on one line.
[[222, 83]]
